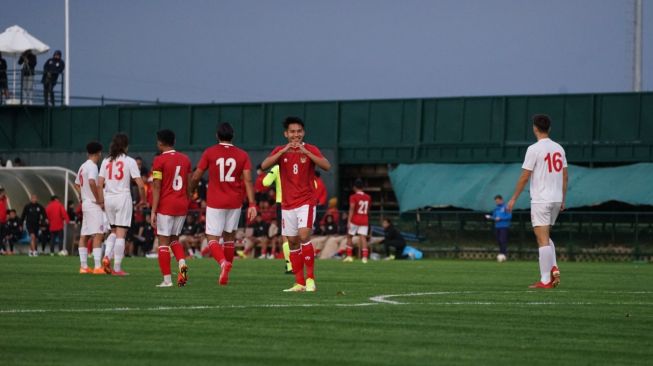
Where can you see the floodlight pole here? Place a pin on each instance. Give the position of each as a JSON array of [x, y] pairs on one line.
[[67, 73], [637, 54]]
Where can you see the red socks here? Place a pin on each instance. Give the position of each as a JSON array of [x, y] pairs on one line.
[[366, 253], [297, 261], [308, 252], [350, 251], [216, 251], [177, 250], [164, 260], [229, 251]]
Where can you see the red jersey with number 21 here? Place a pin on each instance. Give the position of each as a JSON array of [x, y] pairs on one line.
[[172, 168], [225, 163], [297, 173], [360, 201]]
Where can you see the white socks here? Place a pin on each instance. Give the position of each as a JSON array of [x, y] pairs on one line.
[[109, 245], [97, 257], [167, 278], [546, 262], [83, 256], [118, 254], [553, 250], [182, 262]]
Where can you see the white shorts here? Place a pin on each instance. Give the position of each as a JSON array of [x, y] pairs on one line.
[[297, 218], [220, 220], [545, 214], [167, 225], [92, 222], [358, 230], [119, 209]]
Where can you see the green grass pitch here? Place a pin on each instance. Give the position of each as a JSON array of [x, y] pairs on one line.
[[451, 312]]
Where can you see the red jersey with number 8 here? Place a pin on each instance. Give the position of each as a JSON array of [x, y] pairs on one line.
[[297, 173], [226, 164], [172, 168], [360, 201]]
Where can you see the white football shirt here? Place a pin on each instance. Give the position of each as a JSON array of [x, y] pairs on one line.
[[118, 174], [86, 172], [545, 159]]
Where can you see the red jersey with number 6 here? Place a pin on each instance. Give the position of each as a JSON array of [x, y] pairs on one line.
[[172, 168], [226, 164], [361, 202], [297, 173]]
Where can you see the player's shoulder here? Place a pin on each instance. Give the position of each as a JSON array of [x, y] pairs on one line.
[[311, 147]]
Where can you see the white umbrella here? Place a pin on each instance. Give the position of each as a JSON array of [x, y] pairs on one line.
[[15, 40]]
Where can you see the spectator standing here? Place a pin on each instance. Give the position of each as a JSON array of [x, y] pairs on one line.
[[51, 70], [28, 62], [501, 218], [393, 239], [57, 216], [33, 215], [4, 89]]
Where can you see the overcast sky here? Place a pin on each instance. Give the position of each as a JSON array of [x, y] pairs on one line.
[[246, 50]]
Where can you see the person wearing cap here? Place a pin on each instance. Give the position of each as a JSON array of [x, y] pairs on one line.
[[51, 70], [57, 215], [28, 62]]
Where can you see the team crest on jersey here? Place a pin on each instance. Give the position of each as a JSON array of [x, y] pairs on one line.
[[302, 159]]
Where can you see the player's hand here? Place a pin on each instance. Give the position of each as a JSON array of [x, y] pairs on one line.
[[153, 219], [287, 147], [510, 205], [302, 148], [251, 213], [562, 206], [141, 205]]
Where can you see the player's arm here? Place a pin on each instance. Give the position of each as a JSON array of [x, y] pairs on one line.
[[521, 183], [141, 192], [249, 190], [194, 180], [320, 161], [565, 178], [98, 191], [156, 193], [274, 158], [271, 176]]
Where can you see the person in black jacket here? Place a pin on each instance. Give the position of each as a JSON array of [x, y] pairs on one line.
[[13, 231], [394, 239], [33, 215], [51, 70], [4, 89], [28, 62]]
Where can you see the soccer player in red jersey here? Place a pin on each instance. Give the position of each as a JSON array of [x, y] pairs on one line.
[[229, 170], [170, 172], [358, 225], [297, 161]]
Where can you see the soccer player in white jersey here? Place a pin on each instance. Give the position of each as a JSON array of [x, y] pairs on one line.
[[546, 167], [116, 172], [92, 215]]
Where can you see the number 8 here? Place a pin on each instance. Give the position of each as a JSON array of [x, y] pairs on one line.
[[295, 168]]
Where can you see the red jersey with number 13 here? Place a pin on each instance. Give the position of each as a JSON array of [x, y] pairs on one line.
[[225, 163], [361, 202], [172, 168], [297, 173]]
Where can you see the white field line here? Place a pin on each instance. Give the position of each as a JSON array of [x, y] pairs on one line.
[[375, 300]]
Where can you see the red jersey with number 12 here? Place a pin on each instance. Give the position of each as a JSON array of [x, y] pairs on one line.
[[172, 168], [297, 173], [225, 163], [360, 201]]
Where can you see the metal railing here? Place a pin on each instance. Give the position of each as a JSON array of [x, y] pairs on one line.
[[29, 90]]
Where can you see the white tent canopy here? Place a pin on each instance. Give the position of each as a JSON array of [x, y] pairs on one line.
[[16, 40]]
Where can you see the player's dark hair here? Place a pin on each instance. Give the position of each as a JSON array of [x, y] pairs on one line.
[[166, 137], [225, 132], [93, 147], [54, 197], [358, 183], [498, 197], [119, 145], [292, 120], [388, 221], [542, 122]]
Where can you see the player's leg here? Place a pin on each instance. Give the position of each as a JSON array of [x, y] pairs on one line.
[[306, 218], [83, 253], [97, 253], [228, 245], [176, 225], [364, 249], [32, 241], [350, 249], [290, 230], [119, 250], [554, 208], [285, 247], [164, 257]]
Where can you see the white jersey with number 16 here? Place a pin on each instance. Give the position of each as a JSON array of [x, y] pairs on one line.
[[118, 174], [546, 159]]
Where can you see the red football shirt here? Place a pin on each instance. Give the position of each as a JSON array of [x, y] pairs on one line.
[[360, 201], [56, 215], [297, 173], [225, 163], [172, 168], [3, 210]]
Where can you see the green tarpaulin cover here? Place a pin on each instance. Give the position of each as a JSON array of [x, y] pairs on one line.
[[473, 186]]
